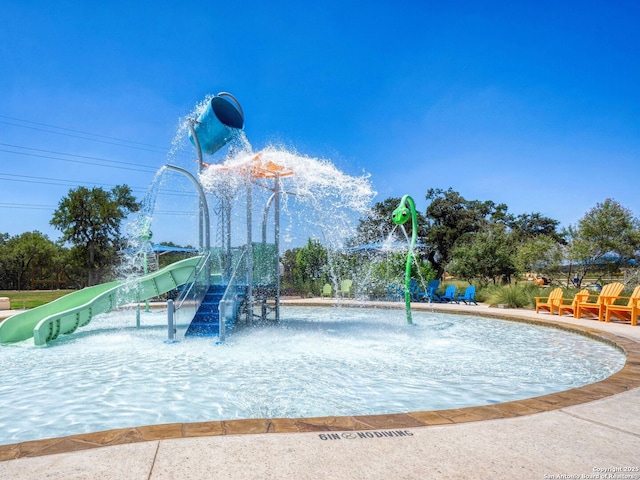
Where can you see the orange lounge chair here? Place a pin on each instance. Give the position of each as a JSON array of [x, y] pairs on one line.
[[569, 304], [607, 296], [627, 312], [550, 303]]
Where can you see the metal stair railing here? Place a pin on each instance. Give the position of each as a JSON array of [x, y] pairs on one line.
[[228, 306], [187, 303]]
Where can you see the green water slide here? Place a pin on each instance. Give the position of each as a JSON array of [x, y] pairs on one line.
[[66, 314]]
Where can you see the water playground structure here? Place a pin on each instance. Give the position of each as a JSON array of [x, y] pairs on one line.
[[215, 285]]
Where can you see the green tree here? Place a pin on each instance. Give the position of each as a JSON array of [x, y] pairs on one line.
[[542, 254], [484, 256], [529, 226], [450, 218], [24, 252], [539, 245], [311, 265], [90, 220], [606, 238], [59, 266], [288, 260]]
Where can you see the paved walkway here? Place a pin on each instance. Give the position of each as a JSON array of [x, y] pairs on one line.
[[590, 432]]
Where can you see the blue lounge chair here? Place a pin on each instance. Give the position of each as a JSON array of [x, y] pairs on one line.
[[394, 293], [414, 291], [450, 294], [469, 296], [430, 294]]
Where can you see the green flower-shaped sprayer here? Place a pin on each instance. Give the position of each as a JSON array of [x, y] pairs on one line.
[[405, 210]]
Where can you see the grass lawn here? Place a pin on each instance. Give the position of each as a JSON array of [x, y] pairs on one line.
[[31, 298]]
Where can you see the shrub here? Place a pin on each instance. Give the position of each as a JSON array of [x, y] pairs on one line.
[[510, 296]]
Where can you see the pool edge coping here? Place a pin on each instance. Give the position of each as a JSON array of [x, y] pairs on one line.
[[627, 378]]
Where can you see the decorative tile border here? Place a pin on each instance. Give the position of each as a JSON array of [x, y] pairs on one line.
[[626, 379]]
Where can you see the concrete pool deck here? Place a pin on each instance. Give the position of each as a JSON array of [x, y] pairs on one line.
[[587, 432]]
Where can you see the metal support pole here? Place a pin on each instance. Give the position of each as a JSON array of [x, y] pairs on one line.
[[276, 212], [171, 334], [222, 311], [249, 252], [265, 215], [227, 220], [275, 199], [146, 271]]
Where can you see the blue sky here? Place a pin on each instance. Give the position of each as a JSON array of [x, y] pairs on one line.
[[534, 104]]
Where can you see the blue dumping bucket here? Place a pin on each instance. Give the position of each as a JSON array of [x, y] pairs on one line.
[[218, 124]]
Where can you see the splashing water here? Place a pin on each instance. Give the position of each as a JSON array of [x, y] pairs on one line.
[[137, 256], [318, 199]]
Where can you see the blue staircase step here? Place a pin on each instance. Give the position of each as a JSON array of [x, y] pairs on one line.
[[206, 322]]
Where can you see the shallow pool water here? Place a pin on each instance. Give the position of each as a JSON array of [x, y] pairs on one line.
[[316, 362]]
